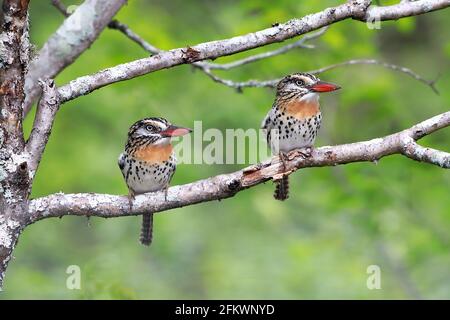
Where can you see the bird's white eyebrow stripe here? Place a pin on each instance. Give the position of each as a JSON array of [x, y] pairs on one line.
[[154, 123], [306, 77]]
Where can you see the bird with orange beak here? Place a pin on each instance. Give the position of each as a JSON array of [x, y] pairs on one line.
[[294, 120], [148, 162]]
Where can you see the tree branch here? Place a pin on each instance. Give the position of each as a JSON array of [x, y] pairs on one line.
[[47, 108], [403, 9], [72, 38], [14, 59], [61, 7], [227, 185], [117, 25], [297, 44], [273, 83], [430, 83], [356, 9], [416, 152], [207, 66]]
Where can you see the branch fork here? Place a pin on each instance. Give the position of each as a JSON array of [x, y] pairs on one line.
[[48, 106]]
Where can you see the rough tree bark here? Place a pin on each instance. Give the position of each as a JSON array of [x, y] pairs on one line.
[[19, 160], [14, 180]]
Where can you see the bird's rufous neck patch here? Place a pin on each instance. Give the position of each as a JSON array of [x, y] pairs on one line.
[[154, 154], [301, 109]]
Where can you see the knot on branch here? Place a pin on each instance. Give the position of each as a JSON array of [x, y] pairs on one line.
[[23, 177], [49, 92], [358, 8], [233, 185], [190, 55]]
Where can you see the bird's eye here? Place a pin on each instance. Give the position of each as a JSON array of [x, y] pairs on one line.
[[299, 82], [149, 128]]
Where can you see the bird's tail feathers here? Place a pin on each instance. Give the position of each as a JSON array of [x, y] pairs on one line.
[[282, 189], [147, 229]]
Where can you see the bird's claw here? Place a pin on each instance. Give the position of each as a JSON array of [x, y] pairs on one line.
[[166, 190], [304, 153], [283, 158], [131, 198]]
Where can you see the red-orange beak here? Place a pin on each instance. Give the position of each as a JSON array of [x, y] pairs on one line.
[[322, 86], [174, 131]]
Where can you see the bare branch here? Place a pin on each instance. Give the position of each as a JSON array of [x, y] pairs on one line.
[[154, 50], [243, 84], [117, 25], [227, 66], [61, 7], [403, 9], [273, 83], [227, 185], [47, 108], [356, 9], [72, 38], [297, 44], [415, 151], [430, 83], [207, 66]]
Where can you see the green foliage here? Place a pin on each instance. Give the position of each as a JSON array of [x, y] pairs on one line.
[[318, 244]]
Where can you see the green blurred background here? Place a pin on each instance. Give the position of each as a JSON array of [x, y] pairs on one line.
[[319, 243]]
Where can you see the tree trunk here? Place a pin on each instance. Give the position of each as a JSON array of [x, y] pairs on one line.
[[14, 175], [9, 234]]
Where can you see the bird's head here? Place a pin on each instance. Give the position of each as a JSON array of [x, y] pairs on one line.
[[298, 85], [155, 131]]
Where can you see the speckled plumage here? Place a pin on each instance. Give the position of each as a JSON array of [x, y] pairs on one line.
[[148, 163], [294, 119], [291, 133], [142, 177]]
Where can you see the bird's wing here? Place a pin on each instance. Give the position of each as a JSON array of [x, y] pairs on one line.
[[265, 121], [267, 124], [121, 161]]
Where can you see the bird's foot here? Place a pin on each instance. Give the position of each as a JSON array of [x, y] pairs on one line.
[[303, 153], [130, 199], [283, 158], [166, 189]]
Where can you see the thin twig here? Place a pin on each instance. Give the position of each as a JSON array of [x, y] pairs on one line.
[[430, 83], [61, 7], [273, 82], [297, 44], [240, 85], [117, 25]]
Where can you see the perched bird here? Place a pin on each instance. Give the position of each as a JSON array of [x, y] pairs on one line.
[[294, 119], [148, 162]]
